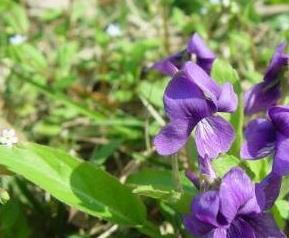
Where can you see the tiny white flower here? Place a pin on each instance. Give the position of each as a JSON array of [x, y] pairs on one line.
[[113, 30], [17, 39], [8, 137]]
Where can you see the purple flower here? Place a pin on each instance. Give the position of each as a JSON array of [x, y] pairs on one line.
[[191, 100], [267, 93], [269, 137], [195, 47], [236, 210]]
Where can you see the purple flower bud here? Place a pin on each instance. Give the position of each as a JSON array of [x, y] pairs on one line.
[[196, 47], [265, 94]]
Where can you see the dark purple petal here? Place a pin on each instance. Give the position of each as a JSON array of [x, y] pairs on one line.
[[209, 87], [261, 96], [268, 190], [281, 158], [240, 229], [278, 60], [173, 136], [206, 168], [228, 99], [166, 67], [235, 191], [205, 207], [213, 135], [218, 233], [205, 57], [280, 118], [193, 178], [184, 100], [265, 226], [260, 138], [196, 227]]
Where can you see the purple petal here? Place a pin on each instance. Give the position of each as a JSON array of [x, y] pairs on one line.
[[183, 99], [209, 87], [253, 206], [193, 178], [218, 233], [205, 57], [268, 190], [265, 226], [206, 168], [173, 136], [261, 96], [213, 135], [228, 99], [260, 139], [235, 191], [196, 227], [280, 118], [278, 60], [205, 207], [281, 158], [241, 229], [166, 67]]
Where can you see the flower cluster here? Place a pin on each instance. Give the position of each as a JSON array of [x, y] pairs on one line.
[[233, 206]]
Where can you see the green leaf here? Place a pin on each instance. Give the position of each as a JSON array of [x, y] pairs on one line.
[[76, 183], [224, 163], [13, 221], [283, 208], [100, 155], [223, 72], [157, 183]]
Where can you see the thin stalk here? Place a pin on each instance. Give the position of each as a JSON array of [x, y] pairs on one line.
[[176, 173]]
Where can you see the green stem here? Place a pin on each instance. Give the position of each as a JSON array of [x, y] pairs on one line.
[[176, 173]]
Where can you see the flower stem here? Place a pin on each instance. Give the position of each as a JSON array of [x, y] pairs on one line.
[[176, 173]]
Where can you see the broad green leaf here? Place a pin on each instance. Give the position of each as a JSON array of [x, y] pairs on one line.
[[224, 163], [156, 183], [13, 221], [76, 183], [284, 187], [100, 155], [223, 72], [283, 208], [259, 168]]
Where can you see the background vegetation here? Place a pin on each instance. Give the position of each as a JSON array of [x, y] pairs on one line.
[[74, 75]]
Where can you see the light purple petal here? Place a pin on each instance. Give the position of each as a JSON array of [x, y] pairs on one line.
[[281, 158], [260, 138], [235, 191], [241, 229], [265, 226], [280, 118], [218, 233], [278, 60], [173, 136], [205, 57], [209, 87], [228, 99], [253, 206], [213, 135], [205, 207], [196, 227], [206, 168], [268, 190], [261, 96], [184, 100], [166, 67]]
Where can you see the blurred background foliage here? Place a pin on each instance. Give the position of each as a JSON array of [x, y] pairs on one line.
[[75, 75]]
